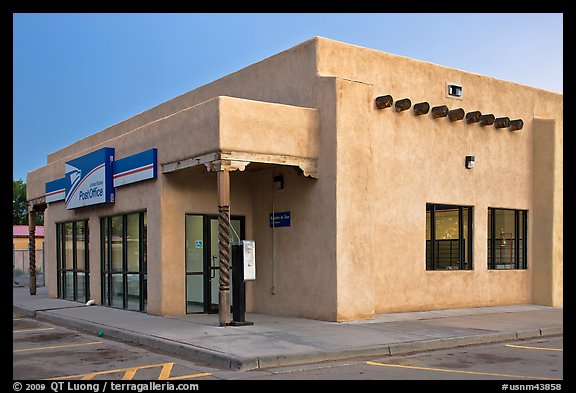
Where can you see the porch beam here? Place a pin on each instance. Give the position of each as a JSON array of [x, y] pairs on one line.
[[242, 159]]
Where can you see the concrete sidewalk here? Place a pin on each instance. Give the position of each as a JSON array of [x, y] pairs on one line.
[[278, 341]]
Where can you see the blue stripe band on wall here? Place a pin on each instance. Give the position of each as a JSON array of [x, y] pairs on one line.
[[56, 190], [135, 168]]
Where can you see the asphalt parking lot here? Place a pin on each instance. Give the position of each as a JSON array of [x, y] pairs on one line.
[[45, 351]]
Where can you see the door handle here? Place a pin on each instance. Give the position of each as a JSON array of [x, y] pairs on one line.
[[212, 267]]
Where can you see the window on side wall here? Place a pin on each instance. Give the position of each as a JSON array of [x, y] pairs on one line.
[[507, 239], [448, 237]]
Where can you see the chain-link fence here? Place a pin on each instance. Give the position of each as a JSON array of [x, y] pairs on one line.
[[21, 267]]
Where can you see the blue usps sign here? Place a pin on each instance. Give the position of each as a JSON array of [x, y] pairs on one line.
[[280, 219], [88, 179]]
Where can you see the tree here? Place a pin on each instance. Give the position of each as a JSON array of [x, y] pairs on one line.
[[20, 205]]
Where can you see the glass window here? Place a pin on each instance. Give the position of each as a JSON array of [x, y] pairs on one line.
[[448, 237], [194, 243], [133, 292], [80, 249], [104, 235], [72, 261], [194, 293], [117, 291], [133, 242], [68, 246], [116, 244], [507, 246], [124, 275], [69, 285], [81, 287]]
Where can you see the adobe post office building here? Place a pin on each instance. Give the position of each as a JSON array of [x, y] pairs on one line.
[[370, 183]]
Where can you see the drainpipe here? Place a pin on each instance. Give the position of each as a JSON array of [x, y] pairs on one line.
[[43, 270], [273, 288]]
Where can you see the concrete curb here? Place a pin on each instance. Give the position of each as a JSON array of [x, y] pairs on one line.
[[224, 360], [23, 311], [405, 348], [187, 351]]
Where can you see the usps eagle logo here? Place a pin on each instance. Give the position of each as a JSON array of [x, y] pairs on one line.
[[74, 175]]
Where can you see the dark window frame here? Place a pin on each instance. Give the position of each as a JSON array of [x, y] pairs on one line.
[[61, 268], [465, 259], [520, 250], [107, 272]]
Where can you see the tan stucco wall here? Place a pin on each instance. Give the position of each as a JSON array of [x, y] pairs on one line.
[[357, 242], [295, 265], [391, 164], [548, 219], [261, 127]]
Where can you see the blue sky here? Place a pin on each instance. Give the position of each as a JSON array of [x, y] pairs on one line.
[[76, 74]]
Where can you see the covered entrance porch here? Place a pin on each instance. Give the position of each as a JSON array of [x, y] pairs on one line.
[[250, 148]]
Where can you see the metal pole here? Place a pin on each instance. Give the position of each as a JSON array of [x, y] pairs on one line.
[[43, 270], [224, 246], [32, 249]]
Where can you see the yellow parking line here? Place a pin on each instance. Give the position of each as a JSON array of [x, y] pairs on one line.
[[454, 371], [540, 348], [166, 370], [130, 372], [32, 330], [57, 347], [189, 376]]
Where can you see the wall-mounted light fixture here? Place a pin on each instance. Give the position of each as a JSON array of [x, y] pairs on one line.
[[502, 122], [278, 182], [469, 162], [439, 111], [516, 125], [384, 101], [487, 120], [473, 117], [456, 114], [453, 90], [421, 108], [403, 104]]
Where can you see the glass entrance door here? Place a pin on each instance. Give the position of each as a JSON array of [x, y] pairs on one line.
[[203, 263]]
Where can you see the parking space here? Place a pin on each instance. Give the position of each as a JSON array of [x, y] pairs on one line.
[[538, 360], [534, 359], [42, 350]]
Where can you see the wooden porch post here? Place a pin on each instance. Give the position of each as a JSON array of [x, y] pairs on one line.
[[224, 246], [32, 249]]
